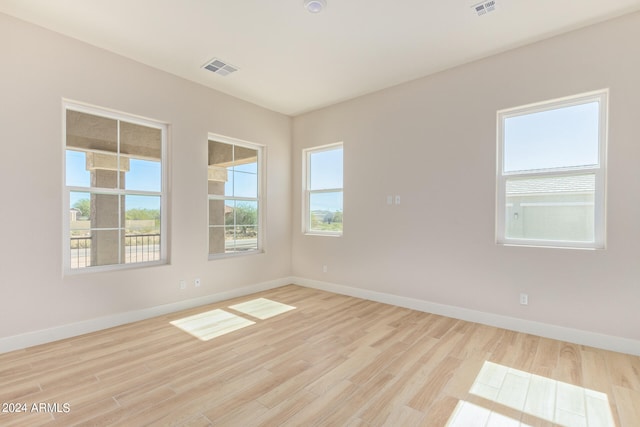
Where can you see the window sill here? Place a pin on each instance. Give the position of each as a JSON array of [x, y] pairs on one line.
[[235, 254], [551, 245], [320, 234], [113, 267]]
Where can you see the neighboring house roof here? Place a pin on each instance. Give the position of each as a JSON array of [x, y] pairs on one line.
[[555, 184]]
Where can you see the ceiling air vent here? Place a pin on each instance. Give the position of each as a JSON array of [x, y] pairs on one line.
[[484, 7], [220, 67]]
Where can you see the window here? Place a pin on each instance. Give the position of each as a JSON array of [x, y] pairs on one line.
[[551, 173], [234, 182], [115, 200], [323, 190]]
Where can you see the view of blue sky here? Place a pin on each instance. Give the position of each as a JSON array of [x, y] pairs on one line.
[[326, 172], [563, 137], [242, 181]]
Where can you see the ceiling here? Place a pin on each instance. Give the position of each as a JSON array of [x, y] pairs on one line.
[[292, 61]]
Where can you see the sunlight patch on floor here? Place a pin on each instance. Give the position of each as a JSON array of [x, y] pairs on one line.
[[544, 398], [467, 414], [211, 324], [262, 308]]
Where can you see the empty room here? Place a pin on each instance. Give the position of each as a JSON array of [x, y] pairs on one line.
[[320, 213]]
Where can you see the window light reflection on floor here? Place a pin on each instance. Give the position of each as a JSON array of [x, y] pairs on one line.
[[544, 398], [214, 323], [211, 324], [467, 414], [262, 308]]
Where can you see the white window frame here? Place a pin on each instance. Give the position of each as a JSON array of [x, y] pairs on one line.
[[69, 105], [598, 170], [306, 196], [261, 150]]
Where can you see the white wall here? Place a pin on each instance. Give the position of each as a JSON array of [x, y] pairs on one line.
[[433, 142], [37, 69]]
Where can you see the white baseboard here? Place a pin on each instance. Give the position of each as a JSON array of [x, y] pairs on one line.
[[576, 336], [44, 336]]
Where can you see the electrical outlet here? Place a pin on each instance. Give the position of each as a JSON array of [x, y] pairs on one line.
[[196, 282], [389, 200], [324, 269], [183, 284], [524, 299], [397, 200]]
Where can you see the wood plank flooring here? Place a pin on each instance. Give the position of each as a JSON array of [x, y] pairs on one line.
[[333, 360]]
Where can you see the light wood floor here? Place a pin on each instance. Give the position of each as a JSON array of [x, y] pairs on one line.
[[331, 361]]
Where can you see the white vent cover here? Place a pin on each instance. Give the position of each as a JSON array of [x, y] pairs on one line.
[[484, 7], [220, 67]]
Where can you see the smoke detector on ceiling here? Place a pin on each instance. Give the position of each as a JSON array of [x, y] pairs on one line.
[[484, 7], [315, 6], [219, 67]]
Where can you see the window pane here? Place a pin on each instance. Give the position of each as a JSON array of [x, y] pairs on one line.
[[80, 210], [557, 138], [325, 211], [240, 230], [106, 247], [87, 132], [80, 229], [228, 185], [246, 213], [144, 175], [241, 238], [96, 139], [142, 220], [80, 248], [141, 150], [220, 154], [142, 247], [216, 239], [245, 159], [106, 211], [229, 212], [246, 238], [217, 211], [230, 238], [251, 167], [142, 214], [245, 184], [325, 169], [551, 208], [138, 141], [76, 166]]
